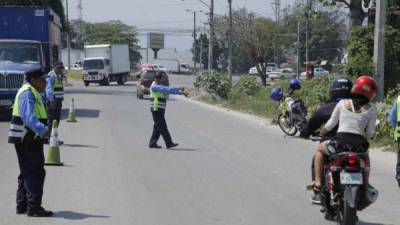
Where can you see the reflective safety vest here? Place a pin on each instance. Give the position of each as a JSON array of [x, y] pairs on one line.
[[158, 100], [18, 131], [397, 134], [58, 87]]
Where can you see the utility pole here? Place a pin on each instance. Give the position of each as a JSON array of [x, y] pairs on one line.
[[298, 52], [68, 36], [201, 53], [211, 41], [379, 47], [307, 21], [230, 42], [194, 43]]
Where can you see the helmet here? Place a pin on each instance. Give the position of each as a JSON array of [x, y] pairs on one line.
[[276, 94], [340, 88], [295, 84], [365, 86]]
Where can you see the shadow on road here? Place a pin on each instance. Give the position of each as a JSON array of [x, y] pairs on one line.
[[365, 223], [69, 215], [101, 92], [87, 113], [183, 149], [80, 146]]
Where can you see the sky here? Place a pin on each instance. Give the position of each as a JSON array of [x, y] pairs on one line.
[[163, 14]]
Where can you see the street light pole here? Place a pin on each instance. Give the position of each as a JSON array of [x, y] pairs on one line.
[[230, 42]]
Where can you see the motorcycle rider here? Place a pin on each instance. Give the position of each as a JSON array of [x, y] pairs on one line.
[[356, 118], [339, 89]]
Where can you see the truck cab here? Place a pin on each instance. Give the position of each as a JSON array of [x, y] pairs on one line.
[[17, 57], [96, 70], [30, 39]]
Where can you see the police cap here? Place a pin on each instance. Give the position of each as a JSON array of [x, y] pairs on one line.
[[38, 73]]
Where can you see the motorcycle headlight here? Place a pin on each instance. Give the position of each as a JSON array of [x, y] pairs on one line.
[[331, 149]]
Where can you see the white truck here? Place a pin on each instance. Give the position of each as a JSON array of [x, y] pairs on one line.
[[173, 65], [106, 63]]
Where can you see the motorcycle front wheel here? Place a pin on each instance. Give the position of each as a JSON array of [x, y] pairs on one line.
[[286, 126], [346, 214]]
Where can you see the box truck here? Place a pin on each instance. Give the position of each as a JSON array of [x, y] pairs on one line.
[[173, 65], [30, 39], [106, 63]]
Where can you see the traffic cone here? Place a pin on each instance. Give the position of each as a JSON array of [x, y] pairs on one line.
[[72, 114], [53, 157]]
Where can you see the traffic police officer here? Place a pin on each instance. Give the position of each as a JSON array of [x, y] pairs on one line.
[[394, 120], [28, 127], [158, 100], [55, 93]]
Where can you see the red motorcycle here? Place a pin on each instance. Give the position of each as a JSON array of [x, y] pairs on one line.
[[344, 191]]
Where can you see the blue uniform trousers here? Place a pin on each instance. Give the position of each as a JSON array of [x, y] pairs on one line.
[[32, 174], [160, 128]]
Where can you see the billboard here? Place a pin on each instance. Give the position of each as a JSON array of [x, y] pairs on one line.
[[155, 40]]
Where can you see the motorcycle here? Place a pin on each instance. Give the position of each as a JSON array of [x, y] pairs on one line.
[[293, 115], [343, 190]]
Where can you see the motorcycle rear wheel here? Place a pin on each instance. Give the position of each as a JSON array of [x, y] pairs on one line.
[[285, 125], [346, 215]]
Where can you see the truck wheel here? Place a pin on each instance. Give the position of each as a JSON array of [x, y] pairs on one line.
[[86, 83], [106, 82], [120, 81]]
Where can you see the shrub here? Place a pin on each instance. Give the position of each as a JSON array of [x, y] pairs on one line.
[[246, 86], [217, 84]]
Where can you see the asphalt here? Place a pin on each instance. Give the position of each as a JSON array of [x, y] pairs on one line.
[[229, 168]]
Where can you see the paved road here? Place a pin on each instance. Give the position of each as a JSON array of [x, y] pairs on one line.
[[229, 169]]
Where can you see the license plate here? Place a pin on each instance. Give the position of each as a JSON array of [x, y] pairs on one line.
[[6, 102], [351, 178]]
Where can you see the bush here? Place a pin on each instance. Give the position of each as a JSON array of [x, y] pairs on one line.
[[217, 84], [246, 86]]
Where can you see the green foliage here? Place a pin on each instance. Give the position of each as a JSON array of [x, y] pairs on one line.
[[247, 85], [217, 84], [360, 45], [327, 29], [114, 32], [56, 5]]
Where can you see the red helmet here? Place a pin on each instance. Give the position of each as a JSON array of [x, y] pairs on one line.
[[365, 86]]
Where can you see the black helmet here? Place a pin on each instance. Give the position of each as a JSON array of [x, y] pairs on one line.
[[340, 88]]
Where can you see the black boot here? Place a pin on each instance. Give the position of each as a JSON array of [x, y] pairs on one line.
[[39, 212], [21, 210], [172, 145]]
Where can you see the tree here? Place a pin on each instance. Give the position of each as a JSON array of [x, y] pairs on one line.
[[56, 5], [357, 13], [256, 41], [114, 32], [327, 31], [361, 42]]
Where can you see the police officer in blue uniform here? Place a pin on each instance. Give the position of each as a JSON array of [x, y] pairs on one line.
[[55, 93], [27, 130], [158, 94]]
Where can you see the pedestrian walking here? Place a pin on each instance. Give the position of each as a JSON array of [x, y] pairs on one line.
[[55, 94], [394, 120], [158, 94], [27, 130]]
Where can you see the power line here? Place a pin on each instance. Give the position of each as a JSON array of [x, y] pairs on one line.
[[137, 6]]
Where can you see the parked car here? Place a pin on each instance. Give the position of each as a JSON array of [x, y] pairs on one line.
[[318, 72], [146, 79], [281, 74], [270, 68]]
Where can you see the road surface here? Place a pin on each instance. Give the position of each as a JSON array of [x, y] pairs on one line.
[[229, 169]]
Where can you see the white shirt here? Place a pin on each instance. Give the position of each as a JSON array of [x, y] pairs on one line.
[[362, 123]]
